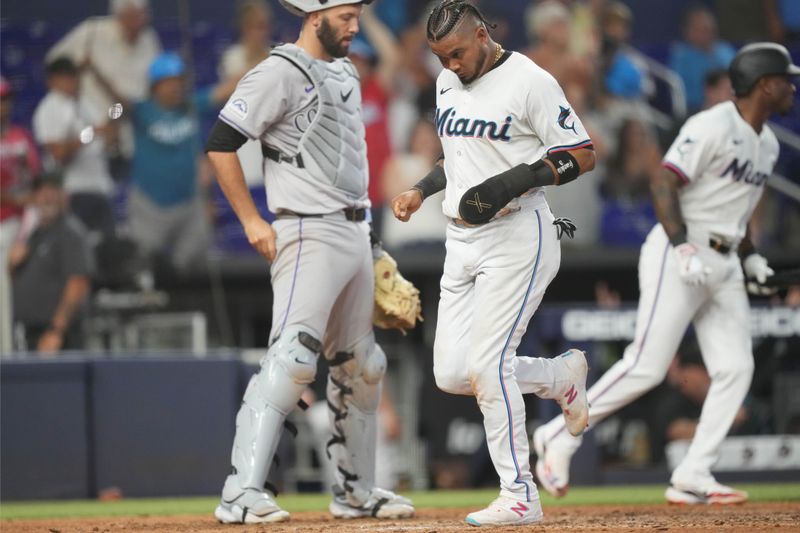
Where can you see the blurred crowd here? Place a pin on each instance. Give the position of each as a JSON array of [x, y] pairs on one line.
[[108, 183]]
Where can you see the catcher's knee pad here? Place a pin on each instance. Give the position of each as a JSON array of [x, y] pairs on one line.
[[360, 370], [289, 366]]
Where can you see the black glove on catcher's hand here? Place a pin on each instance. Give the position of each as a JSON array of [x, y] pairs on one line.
[[564, 226]]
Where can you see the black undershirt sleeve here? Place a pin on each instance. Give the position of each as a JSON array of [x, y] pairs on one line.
[[224, 138]]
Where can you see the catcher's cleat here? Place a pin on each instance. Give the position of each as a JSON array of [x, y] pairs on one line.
[[505, 511], [709, 494], [552, 464], [573, 400], [380, 504], [248, 506]]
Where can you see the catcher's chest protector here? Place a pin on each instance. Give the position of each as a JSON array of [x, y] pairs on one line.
[[333, 147]]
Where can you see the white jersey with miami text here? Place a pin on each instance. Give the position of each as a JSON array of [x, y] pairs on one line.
[[515, 113], [724, 164]]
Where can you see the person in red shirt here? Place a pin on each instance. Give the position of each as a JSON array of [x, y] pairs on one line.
[[378, 77], [19, 163]]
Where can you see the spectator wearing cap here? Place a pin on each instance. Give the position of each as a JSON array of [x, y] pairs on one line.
[[118, 48], [19, 164], [74, 141], [699, 53], [167, 213], [50, 271]]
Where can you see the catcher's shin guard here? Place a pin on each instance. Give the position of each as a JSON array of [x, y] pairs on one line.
[[287, 368], [353, 392]]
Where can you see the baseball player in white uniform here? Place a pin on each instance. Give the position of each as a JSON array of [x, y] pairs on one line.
[[506, 130], [303, 103], [690, 272]]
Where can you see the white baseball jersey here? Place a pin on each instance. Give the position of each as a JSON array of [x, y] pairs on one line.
[[515, 113], [276, 103], [724, 164]]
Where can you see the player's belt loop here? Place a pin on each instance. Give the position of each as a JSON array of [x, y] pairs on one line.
[[275, 155], [719, 245]]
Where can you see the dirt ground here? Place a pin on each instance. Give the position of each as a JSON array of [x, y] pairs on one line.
[[750, 518]]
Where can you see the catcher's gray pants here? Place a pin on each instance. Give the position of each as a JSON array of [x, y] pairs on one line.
[[323, 281]]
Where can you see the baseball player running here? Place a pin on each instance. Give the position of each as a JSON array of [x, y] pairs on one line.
[[304, 105], [689, 272], [507, 131]]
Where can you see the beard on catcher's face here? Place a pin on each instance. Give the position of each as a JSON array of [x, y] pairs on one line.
[[334, 45]]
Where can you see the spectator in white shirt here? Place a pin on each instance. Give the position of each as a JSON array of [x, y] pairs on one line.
[[73, 138]]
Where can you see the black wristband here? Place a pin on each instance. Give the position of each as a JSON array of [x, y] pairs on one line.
[[566, 166], [434, 182]]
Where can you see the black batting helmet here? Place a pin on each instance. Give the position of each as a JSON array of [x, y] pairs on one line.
[[757, 60]]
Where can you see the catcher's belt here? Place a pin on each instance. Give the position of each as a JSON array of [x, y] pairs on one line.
[[352, 214]]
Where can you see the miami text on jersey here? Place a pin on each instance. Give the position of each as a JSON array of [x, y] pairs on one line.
[[745, 173], [448, 124]]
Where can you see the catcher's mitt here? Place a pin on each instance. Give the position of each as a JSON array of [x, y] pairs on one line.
[[397, 303]]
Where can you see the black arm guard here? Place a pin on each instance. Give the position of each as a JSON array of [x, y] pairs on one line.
[[224, 138], [480, 203], [434, 182]]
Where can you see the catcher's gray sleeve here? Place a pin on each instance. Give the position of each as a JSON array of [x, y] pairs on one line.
[[262, 97]]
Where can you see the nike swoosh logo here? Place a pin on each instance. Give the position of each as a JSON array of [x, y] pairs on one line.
[[346, 97], [442, 91], [298, 361], [309, 89]]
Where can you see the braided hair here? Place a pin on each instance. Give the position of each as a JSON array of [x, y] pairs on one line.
[[447, 16]]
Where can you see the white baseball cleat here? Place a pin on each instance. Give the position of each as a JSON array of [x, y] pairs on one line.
[[505, 511], [552, 464], [380, 504], [573, 401], [249, 507], [712, 493]]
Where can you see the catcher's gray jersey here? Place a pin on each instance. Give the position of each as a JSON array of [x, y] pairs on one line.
[[308, 111]]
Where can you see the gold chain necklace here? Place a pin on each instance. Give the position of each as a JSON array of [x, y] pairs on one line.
[[498, 52]]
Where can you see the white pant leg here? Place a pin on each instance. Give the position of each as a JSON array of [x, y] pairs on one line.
[[8, 231], [538, 375], [454, 319], [723, 333], [513, 260], [666, 306]]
